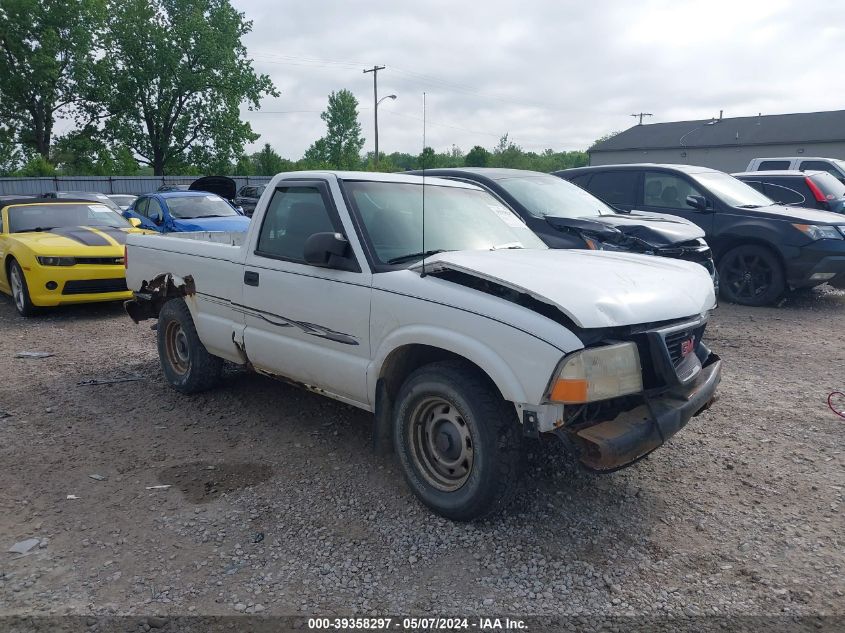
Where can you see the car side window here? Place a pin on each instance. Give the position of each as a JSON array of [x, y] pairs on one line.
[[667, 191], [755, 184], [141, 206], [154, 211], [581, 180], [769, 165], [818, 165], [615, 187], [785, 192], [293, 215]]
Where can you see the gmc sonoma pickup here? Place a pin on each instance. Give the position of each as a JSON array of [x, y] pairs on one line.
[[463, 339]]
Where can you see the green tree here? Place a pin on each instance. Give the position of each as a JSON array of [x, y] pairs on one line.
[[427, 158], [11, 156], [171, 80], [477, 157], [45, 51], [243, 167], [316, 156], [37, 166], [268, 163], [343, 141]]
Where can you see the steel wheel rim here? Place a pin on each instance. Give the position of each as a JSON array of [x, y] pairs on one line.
[[442, 445], [176, 346], [17, 287], [748, 276]]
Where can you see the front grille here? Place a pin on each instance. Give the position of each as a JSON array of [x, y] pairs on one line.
[[100, 261], [94, 286], [675, 341]]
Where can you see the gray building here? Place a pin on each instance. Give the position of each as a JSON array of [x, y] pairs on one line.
[[727, 144]]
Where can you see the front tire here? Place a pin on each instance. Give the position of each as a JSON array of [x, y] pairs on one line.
[[751, 275], [20, 290], [186, 364], [458, 441]]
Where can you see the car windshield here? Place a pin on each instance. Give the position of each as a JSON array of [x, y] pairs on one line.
[[208, 206], [456, 219], [43, 217], [553, 196], [732, 191], [89, 195], [123, 200]]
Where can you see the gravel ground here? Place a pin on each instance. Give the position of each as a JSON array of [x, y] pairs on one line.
[[278, 506]]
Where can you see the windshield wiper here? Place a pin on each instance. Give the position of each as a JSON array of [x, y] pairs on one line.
[[37, 229], [749, 206], [406, 258], [507, 246], [210, 215]]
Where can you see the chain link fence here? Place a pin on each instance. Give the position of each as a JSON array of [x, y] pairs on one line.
[[106, 184]]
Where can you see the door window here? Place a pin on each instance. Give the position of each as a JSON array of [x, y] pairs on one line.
[[768, 165], [667, 190], [615, 187], [154, 211], [819, 165], [293, 215], [141, 206]]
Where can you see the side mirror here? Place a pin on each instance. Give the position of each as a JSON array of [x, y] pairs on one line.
[[136, 222], [325, 249], [699, 203]]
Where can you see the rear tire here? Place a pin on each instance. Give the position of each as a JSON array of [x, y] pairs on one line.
[[186, 364], [459, 443], [751, 275], [20, 290]]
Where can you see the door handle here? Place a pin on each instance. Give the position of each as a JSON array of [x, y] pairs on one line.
[[251, 278]]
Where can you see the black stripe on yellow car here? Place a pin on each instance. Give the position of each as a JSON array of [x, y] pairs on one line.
[[83, 235]]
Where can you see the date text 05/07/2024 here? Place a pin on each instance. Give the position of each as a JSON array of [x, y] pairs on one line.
[[418, 623]]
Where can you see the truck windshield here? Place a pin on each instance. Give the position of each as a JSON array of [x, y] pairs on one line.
[[731, 191], [207, 206], [553, 196], [43, 217], [455, 219]]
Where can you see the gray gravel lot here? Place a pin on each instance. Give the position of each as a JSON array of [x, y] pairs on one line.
[[278, 506]]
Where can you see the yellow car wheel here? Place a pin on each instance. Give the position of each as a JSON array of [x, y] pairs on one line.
[[20, 291]]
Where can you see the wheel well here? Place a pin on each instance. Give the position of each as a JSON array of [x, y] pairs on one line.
[[404, 360], [726, 246], [7, 264]]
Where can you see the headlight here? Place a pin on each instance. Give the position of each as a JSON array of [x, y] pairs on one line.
[[56, 261], [819, 231], [598, 373]]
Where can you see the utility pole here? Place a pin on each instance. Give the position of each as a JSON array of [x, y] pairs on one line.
[[638, 114], [375, 70]]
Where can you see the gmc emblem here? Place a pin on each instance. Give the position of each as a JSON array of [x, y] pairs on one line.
[[687, 347]]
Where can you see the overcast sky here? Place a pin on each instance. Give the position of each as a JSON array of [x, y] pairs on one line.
[[553, 74]]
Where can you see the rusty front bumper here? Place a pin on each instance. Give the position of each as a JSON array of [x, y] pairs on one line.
[[614, 444]]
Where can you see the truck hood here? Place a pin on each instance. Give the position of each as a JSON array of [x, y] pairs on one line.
[[656, 230], [594, 289], [230, 223]]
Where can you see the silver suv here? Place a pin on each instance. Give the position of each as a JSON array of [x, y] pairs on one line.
[[833, 166]]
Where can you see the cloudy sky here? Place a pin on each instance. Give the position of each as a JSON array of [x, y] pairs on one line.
[[550, 73]]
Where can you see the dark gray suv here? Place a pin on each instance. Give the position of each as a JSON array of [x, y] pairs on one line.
[[761, 247]]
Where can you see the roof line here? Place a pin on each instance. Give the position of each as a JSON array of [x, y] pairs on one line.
[[686, 147]]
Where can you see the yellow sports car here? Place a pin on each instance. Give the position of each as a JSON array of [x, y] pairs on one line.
[[61, 251]]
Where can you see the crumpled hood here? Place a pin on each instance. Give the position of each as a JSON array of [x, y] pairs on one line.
[[229, 223], [593, 288], [656, 229]]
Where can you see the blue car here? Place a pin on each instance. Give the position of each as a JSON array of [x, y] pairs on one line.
[[175, 211]]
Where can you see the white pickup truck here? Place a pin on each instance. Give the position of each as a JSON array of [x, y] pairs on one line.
[[464, 339]]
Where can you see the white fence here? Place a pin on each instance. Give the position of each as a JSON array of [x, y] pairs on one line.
[[106, 184]]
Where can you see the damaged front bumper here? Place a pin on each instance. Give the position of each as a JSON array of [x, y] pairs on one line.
[[633, 434]]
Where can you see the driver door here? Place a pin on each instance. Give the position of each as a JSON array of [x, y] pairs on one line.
[[665, 192], [307, 323]]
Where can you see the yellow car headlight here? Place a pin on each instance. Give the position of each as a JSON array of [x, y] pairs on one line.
[[57, 261], [598, 373]]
